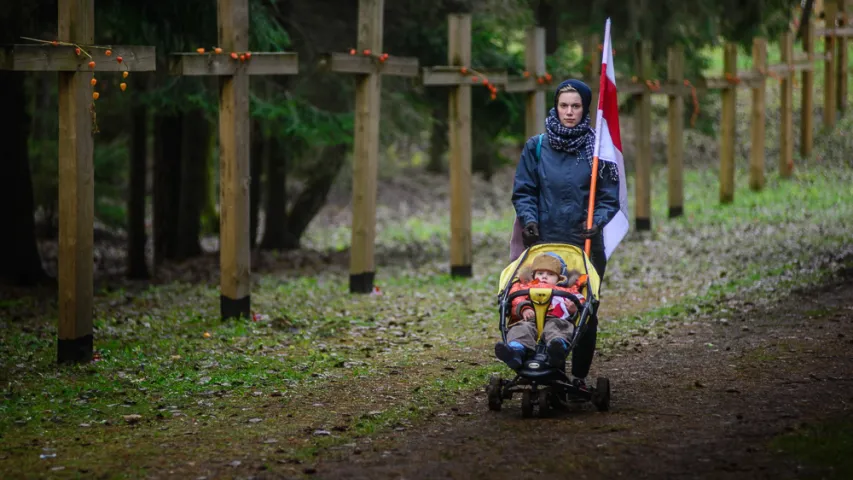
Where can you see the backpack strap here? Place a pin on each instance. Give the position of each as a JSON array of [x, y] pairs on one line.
[[539, 147]]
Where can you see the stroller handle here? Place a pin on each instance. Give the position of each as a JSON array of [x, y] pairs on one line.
[[554, 293]]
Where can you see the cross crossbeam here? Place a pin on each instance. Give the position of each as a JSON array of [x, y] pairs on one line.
[[212, 64], [369, 64], [63, 58]]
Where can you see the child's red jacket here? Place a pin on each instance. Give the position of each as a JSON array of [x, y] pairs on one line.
[[558, 307]]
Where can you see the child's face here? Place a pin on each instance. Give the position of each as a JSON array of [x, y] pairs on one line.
[[545, 276]]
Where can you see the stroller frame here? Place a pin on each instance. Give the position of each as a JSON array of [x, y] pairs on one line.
[[539, 383]]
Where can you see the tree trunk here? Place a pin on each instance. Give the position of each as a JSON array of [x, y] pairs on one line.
[[136, 237], [194, 135], [20, 262], [438, 141], [805, 18], [275, 206], [209, 215], [260, 147], [547, 18], [485, 155], [312, 199], [167, 170]]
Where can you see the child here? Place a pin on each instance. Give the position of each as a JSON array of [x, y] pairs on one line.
[[548, 271]]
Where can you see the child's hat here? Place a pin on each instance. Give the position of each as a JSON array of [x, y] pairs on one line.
[[548, 263]]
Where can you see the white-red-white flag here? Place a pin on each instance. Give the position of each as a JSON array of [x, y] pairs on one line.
[[608, 145]]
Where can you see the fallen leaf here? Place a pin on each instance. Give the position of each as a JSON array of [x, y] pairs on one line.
[[132, 418]]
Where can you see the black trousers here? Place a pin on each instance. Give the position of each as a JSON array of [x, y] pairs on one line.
[[584, 351]]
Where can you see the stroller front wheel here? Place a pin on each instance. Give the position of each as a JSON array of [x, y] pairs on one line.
[[526, 404], [544, 403], [493, 391]]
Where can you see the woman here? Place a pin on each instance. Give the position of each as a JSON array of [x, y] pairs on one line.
[[551, 193]]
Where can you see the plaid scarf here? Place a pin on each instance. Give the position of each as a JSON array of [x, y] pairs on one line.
[[578, 140]]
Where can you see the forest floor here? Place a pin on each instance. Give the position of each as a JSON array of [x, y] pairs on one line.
[[726, 334], [763, 393]]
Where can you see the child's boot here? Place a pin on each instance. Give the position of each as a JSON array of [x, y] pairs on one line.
[[557, 351], [511, 354]]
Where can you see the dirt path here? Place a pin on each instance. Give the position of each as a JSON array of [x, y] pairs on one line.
[[703, 402]]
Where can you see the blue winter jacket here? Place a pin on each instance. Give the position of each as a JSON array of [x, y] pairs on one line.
[[553, 191]]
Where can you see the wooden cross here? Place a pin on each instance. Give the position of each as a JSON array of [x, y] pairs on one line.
[[368, 64], [76, 146], [534, 82], [234, 174], [459, 76]]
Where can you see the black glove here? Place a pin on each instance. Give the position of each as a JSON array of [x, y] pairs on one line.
[[530, 234], [589, 233]]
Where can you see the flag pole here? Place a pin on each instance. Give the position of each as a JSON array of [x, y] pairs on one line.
[[593, 183]]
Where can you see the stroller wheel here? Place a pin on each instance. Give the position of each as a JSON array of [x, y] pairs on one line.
[[544, 399], [526, 404], [601, 395], [493, 391]]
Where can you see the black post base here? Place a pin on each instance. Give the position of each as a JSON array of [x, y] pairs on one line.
[[78, 350], [461, 271], [644, 224], [361, 282], [676, 212], [230, 308]]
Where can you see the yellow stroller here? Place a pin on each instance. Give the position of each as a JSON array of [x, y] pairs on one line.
[[541, 384]]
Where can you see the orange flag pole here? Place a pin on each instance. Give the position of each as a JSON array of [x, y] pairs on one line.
[[593, 183], [591, 207]]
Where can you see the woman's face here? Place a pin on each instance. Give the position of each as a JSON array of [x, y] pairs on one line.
[[569, 108]]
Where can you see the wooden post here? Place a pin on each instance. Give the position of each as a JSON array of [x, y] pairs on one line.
[[459, 76], [535, 110], [675, 140], [76, 192], [727, 127], [786, 149], [807, 99], [829, 76], [234, 141], [368, 70], [593, 70], [643, 122], [842, 60], [234, 136], [536, 101], [757, 122], [366, 152], [76, 25], [459, 53]]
